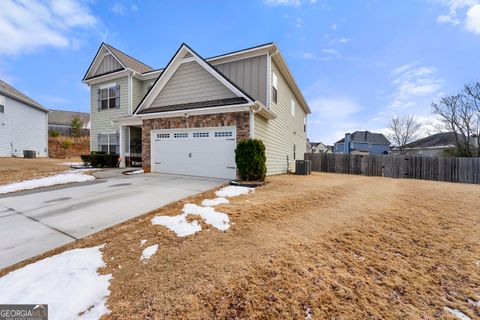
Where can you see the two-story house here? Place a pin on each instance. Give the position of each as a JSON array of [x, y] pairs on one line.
[[363, 142], [187, 118]]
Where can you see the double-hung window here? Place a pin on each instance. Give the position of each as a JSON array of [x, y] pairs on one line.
[[274, 87], [109, 97], [109, 143], [2, 104]]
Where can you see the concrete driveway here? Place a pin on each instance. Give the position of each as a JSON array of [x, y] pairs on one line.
[[33, 222]]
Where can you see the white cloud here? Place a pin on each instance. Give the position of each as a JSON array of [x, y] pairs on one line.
[[276, 3], [472, 22], [122, 8], [413, 85], [299, 23], [466, 12], [291, 3], [30, 25], [333, 26]]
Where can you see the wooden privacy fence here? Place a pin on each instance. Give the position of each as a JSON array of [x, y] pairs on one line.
[[465, 170]]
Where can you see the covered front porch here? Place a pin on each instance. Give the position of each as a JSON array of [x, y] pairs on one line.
[[130, 142]]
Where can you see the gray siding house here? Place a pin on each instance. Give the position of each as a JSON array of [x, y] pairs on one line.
[[363, 142], [23, 124], [188, 117]]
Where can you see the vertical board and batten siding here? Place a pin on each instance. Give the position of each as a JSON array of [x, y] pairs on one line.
[[108, 64], [101, 121], [191, 83], [249, 74], [280, 134], [23, 127]]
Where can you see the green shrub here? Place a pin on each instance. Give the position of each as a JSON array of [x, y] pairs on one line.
[[53, 133], [66, 144], [98, 159], [250, 159]]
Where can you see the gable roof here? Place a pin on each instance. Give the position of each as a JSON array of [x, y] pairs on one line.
[[173, 65], [64, 117], [13, 93], [367, 137], [441, 139], [129, 61]]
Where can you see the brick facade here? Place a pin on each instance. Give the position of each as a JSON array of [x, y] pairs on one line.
[[239, 119]]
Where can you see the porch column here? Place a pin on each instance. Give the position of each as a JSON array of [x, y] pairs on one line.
[[122, 146]]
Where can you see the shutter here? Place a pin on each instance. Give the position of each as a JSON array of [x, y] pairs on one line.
[[99, 101], [99, 142], [117, 137], [117, 96]]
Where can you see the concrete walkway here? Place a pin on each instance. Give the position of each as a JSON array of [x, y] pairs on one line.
[[33, 222]]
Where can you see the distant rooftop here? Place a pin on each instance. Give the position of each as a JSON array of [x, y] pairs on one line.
[[64, 117], [368, 137]]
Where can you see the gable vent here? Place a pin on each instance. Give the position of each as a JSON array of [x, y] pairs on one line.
[[187, 55]]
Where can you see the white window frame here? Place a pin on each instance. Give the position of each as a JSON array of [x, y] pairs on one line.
[[292, 107], [107, 87], [2, 104], [274, 87], [109, 134]]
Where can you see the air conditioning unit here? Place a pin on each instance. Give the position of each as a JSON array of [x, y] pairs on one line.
[[29, 154], [303, 167]]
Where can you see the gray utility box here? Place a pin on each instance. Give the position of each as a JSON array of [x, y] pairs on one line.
[[303, 167], [29, 154]]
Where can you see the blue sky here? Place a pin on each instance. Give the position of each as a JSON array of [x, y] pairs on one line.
[[357, 62]]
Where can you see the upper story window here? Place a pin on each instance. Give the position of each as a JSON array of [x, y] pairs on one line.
[[2, 104], [292, 107], [274, 87], [108, 97], [305, 124]]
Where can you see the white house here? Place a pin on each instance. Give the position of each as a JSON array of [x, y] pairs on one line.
[[23, 124]]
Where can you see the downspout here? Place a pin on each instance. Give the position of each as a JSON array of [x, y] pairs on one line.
[[253, 109]]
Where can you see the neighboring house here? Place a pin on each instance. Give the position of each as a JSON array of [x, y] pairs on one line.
[[363, 142], [434, 145], [189, 116], [61, 121], [318, 147], [23, 124]]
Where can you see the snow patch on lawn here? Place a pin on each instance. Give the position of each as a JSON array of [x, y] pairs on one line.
[[62, 178], [142, 242], [233, 191], [148, 252], [68, 282], [214, 202], [457, 313], [219, 220], [72, 164], [178, 224]]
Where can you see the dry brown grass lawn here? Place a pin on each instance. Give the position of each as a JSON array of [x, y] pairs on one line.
[[18, 169], [342, 246]]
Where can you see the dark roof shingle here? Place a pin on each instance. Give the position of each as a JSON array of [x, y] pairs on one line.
[[64, 117], [367, 136], [441, 139]]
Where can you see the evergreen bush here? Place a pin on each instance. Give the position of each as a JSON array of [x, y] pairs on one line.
[[250, 159]]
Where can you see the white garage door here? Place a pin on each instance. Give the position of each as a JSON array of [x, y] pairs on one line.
[[205, 152]]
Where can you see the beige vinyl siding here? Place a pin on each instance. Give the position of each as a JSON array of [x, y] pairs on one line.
[[101, 121], [108, 64], [137, 92], [191, 83], [249, 74], [280, 134], [145, 86]]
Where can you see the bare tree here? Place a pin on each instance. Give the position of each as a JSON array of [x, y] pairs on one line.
[[403, 130], [460, 114]]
